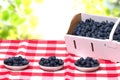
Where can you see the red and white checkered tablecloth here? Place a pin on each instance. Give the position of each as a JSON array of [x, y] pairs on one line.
[[35, 49]]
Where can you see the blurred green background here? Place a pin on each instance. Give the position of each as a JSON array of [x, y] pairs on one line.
[[17, 20]]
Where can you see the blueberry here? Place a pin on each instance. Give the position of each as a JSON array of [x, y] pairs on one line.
[[115, 37], [25, 62], [10, 64], [81, 22], [57, 61], [88, 59], [87, 65], [117, 33], [42, 59], [91, 62], [87, 62], [93, 35], [20, 58], [16, 61], [6, 61], [10, 59], [77, 32], [81, 59], [95, 61], [52, 58], [82, 34], [15, 64], [47, 61], [47, 64], [61, 62], [87, 21], [83, 62], [97, 24], [52, 63], [20, 64], [112, 24], [93, 29], [41, 62], [103, 23], [95, 65], [76, 63]]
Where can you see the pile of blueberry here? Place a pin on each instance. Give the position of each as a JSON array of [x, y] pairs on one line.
[[51, 61], [94, 29], [16, 61], [117, 33], [87, 62]]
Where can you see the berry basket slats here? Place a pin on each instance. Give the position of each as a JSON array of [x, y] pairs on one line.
[[94, 46]]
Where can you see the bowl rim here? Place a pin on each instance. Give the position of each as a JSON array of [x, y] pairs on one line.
[[49, 68], [16, 67], [87, 69]]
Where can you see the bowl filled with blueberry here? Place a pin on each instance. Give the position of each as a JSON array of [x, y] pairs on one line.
[[51, 63], [16, 63], [87, 64]]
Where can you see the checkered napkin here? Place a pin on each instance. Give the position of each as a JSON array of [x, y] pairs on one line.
[[33, 50]]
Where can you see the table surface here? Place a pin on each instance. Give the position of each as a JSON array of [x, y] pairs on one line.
[[35, 49]]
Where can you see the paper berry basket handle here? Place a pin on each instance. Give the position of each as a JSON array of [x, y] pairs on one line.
[[113, 29]]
